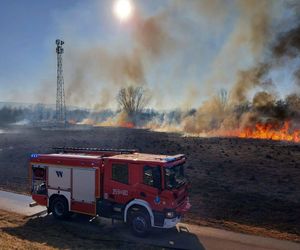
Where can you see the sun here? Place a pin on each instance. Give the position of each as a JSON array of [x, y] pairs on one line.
[[123, 9]]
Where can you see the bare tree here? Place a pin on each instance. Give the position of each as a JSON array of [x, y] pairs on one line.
[[221, 100], [132, 100]]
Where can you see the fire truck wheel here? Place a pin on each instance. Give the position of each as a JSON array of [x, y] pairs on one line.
[[140, 223], [60, 208]]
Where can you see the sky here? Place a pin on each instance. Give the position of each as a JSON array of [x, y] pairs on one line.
[[197, 60]]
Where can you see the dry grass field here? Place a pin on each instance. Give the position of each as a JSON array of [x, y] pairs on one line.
[[17, 232], [243, 185]]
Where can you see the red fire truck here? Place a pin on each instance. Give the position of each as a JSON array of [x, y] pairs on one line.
[[143, 190]]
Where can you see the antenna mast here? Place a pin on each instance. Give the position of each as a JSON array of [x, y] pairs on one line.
[[60, 93]]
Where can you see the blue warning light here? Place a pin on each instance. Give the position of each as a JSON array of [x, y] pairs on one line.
[[34, 156], [169, 159]]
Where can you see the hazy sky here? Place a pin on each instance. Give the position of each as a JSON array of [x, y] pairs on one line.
[[199, 60]]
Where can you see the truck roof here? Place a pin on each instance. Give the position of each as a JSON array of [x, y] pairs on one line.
[[142, 157], [79, 156], [66, 159], [132, 157]]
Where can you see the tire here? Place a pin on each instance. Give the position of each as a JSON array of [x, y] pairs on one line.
[[60, 208], [140, 223]]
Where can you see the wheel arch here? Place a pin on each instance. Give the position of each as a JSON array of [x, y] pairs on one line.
[[53, 197], [55, 193], [142, 203]]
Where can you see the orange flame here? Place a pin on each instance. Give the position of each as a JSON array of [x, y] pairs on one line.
[[271, 131], [125, 124]]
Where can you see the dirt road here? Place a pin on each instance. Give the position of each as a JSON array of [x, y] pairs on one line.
[[17, 203], [185, 236]]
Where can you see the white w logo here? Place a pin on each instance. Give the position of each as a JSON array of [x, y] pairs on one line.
[[59, 173]]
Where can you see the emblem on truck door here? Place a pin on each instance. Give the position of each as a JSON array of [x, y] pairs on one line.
[[59, 173], [157, 200]]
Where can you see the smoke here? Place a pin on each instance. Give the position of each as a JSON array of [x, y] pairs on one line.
[[288, 43], [245, 42], [254, 25], [9, 115], [160, 35], [287, 48], [297, 76], [253, 45], [115, 69], [247, 80], [263, 101], [270, 50], [103, 65], [151, 37]]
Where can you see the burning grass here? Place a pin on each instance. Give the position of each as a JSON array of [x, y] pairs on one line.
[[270, 131], [263, 131], [265, 117], [246, 183]]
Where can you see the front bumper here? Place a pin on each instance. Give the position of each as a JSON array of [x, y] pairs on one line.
[[161, 221], [182, 209], [170, 223]]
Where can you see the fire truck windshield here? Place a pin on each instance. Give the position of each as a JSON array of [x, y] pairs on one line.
[[174, 177]]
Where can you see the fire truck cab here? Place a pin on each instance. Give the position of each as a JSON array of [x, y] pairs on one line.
[[143, 190]]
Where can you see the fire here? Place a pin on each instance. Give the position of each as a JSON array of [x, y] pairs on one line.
[[271, 131], [125, 124]]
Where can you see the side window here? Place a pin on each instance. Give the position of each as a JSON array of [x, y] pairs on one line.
[[152, 176], [120, 173]]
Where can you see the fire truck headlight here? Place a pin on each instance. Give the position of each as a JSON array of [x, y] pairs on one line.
[[170, 214]]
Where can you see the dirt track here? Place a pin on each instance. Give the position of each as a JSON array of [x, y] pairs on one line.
[[244, 185], [18, 232]]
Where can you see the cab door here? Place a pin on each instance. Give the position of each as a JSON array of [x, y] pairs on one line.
[[117, 188], [150, 186]]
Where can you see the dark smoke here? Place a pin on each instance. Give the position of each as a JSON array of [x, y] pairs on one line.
[[9, 115], [288, 48], [288, 44], [247, 80]]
